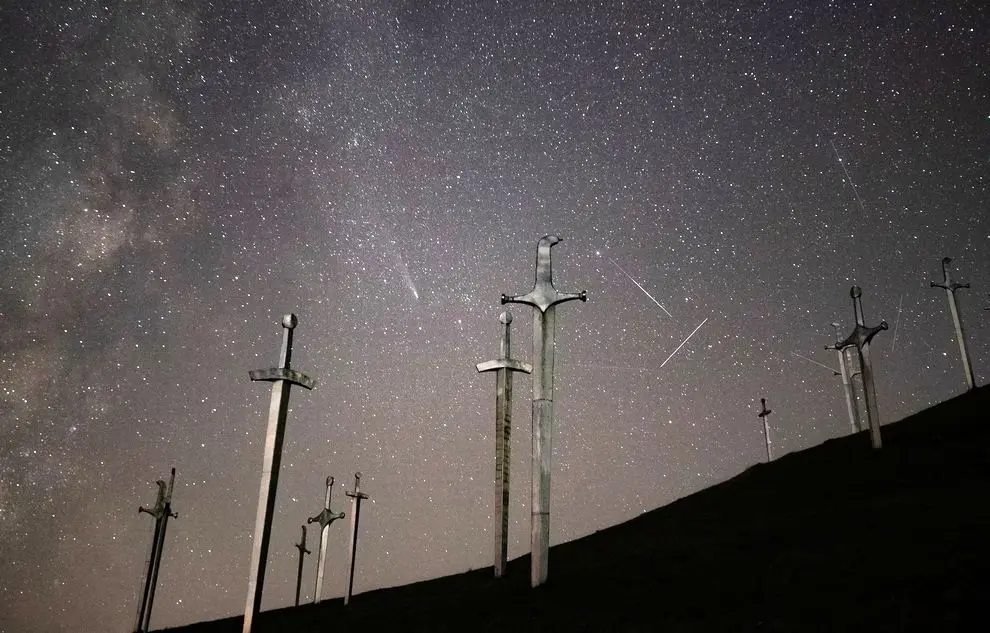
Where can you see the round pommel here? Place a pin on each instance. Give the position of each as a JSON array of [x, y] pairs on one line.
[[329, 481], [946, 260], [505, 299], [584, 295], [855, 292], [289, 321], [505, 318]]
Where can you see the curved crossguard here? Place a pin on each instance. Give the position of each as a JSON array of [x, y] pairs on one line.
[[282, 372], [860, 339], [503, 361], [326, 516], [947, 282], [861, 335], [544, 295], [159, 508]]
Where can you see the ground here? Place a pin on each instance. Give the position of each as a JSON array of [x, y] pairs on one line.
[[839, 537]]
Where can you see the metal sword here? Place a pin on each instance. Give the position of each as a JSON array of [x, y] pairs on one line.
[[282, 378], [764, 412], [162, 513], [301, 546], [356, 497], [860, 339], [847, 387], [503, 367], [544, 297], [950, 293], [324, 518]]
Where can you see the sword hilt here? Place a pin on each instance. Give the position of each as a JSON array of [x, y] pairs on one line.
[[357, 494], [543, 295]]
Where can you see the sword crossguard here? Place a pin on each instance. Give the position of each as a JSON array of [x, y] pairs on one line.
[[503, 362], [861, 335], [301, 545], [283, 372], [544, 295], [159, 510], [357, 494], [947, 283], [764, 411], [326, 516]]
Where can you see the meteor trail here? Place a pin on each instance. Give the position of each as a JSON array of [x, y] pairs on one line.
[[862, 207], [816, 362], [684, 341], [641, 288], [900, 304]]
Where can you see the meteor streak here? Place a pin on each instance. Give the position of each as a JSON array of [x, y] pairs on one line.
[[900, 304], [862, 206], [641, 288], [816, 362], [684, 341]]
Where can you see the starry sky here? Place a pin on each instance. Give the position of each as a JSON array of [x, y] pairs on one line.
[[175, 176]]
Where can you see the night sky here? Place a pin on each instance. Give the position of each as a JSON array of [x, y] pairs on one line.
[[175, 176]]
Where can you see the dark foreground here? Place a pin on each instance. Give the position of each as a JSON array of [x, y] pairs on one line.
[[835, 538]]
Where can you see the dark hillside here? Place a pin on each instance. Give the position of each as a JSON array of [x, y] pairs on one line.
[[835, 538]]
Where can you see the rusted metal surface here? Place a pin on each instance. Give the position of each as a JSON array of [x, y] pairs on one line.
[[950, 288], [544, 297], [324, 518], [860, 339], [503, 366], [356, 498], [282, 379]]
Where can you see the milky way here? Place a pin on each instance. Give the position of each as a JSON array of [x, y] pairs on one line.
[[177, 175]]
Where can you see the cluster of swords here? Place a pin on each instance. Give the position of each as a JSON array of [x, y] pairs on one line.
[[282, 378], [162, 513], [544, 298]]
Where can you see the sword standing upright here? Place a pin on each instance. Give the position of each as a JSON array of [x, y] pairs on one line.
[[544, 298], [282, 378], [301, 546], [324, 518], [356, 497], [503, 368]]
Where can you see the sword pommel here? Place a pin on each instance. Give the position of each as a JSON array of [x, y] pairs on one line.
[[290, 321]]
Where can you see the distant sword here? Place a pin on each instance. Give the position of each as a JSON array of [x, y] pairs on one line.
[[683, 342], [621, 269]]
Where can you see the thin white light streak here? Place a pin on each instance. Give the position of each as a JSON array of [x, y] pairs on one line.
[[848, 177], [640, 287], [811, 360], [900, 304], [683, 342]]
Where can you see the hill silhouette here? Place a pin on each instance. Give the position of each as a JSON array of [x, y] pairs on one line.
[[837, 537]]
